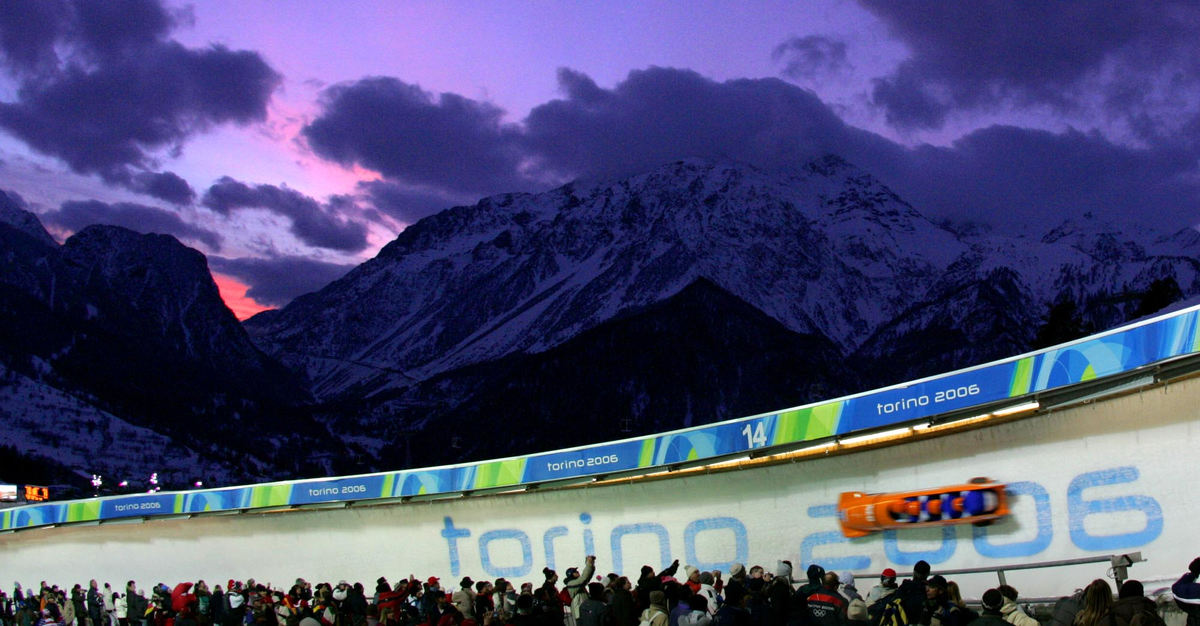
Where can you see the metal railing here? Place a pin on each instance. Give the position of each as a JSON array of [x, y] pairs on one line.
[[1119, 565]]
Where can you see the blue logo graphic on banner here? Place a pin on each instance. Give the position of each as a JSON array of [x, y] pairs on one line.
[[439, 480], [39, 515], [220, 500]]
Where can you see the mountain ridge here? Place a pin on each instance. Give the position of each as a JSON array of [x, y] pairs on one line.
[[576, 255]]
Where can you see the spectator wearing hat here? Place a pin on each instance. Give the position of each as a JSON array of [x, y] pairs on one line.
[[692, 578], [885, 588], [737, 578], [463, 598], [1187, 593], [576, 585], [649, 582], [992, 604], [848, 589]]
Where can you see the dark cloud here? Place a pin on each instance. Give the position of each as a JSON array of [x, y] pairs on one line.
[[277, 281], [659, 114], [907, 102], [1013, 176], [102, 88], [811, 57], [76, 216], [410, 135], [580, 87], [166, 186], [101, 121], [314, 224], [28, 31], [162, 185], [113, 29], [403, 203], [983, 55]]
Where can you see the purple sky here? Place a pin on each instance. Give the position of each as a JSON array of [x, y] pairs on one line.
[[290, 141]]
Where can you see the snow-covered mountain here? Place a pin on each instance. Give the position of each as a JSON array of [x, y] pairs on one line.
[[824, 249]]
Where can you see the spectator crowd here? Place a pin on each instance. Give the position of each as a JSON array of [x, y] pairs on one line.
[[740, 597]]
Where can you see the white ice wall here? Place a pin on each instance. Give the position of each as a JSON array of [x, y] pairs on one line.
[[1111, 477]]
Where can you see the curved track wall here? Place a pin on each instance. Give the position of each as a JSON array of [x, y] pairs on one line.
[[1109, 477]]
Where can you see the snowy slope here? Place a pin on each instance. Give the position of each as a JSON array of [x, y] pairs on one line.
[[42, 420]]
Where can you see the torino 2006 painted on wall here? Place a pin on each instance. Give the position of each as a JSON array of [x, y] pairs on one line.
[[1109, 477], [727, 538]]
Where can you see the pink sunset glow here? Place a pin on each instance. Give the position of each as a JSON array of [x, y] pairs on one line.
[[233, 293]]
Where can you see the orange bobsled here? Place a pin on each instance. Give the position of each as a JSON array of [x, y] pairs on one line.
[[979, 502]]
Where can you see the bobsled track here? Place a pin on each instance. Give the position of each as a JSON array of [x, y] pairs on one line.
[[1094, 439]]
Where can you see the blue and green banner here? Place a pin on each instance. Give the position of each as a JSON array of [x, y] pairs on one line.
[[1107, 354]]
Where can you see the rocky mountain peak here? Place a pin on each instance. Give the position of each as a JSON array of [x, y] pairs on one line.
[[14, 213]]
